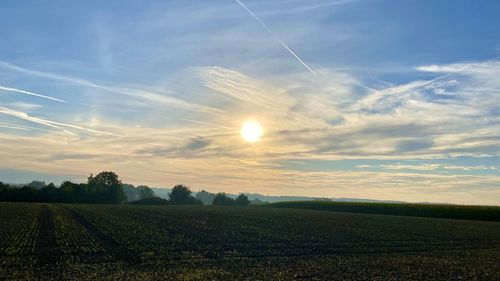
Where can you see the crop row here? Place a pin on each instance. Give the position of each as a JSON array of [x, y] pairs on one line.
[[91, 242], [19, 228], [73, 240], [214, 232]]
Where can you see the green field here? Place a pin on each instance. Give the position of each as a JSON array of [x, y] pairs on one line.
[[125, 242], [448, 211]]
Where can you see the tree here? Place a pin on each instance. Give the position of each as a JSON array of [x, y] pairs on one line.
[[108, 187], [242, 200], [27, 194], [37, 184], [181, 195], [81, 193], [49, 193], [103, 188], [205, 197], [3, 186], [5, 192], [221, 199], [257, 201], [145, 192], [131, 192]]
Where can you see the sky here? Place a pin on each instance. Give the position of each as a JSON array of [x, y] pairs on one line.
[[380, 99]]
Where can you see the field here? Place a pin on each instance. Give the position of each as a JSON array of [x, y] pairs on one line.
[[449, 211], [124, 242]]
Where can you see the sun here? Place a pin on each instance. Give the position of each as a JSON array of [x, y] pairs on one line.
[[251, 131]]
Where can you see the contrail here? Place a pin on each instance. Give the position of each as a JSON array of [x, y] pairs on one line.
[[48, 123], [26, 128], [28, 93], [133, 92], [14, 127], [275, 36]]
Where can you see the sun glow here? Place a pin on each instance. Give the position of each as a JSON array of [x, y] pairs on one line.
[[251, 131]]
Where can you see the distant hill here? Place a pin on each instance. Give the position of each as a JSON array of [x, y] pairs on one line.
[[163, 193]]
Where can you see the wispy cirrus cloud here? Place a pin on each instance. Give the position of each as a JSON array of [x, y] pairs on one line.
[[48, 123], [428, 167], [25, 105], [139, 93], [472, 68], [23, 127], [8, 89]]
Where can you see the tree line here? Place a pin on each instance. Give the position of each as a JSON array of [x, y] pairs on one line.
[[224, 199], [103, 188], [182, 195], [106, 188]]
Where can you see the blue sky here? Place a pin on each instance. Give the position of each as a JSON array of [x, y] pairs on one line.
[[404, 105]]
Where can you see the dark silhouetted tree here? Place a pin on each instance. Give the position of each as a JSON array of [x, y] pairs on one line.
[[49, 193], [108, 187], [181, 195], [103, 188], [27, 194], [242, 200], [66, 191], [221, 199]]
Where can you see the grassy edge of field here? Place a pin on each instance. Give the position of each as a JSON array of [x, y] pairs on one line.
[[447, 211]]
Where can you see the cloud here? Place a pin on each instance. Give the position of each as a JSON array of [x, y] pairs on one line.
[[429, 167], [413, 145], [23, 128], [333, 117], [329, 116], [469, 168], [421, 167], [48, 123], [194, 147], [2, 88], [197, 143], [138, 93], [25, 105], [13, 127], [472, 68], [70, 156]]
